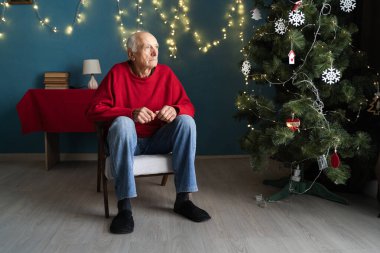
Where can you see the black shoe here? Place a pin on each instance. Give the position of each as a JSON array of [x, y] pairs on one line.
[[123, 223], [191, 211]]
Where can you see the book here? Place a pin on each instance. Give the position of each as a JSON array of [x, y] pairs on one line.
[[53, 79], [57, 74], [56, 82], [56, 87]]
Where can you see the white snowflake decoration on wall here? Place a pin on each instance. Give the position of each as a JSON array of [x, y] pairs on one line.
[[347, 5], [246, 67], [296, 18], [331, 75], [280, 27]]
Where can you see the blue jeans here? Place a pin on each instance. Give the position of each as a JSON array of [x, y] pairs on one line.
[[178, 137]]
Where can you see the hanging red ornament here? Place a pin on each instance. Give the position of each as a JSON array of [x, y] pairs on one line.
[[297, 5], [335, 160], [293, 124]]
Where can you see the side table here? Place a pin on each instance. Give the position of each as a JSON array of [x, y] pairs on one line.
[[54, 112]]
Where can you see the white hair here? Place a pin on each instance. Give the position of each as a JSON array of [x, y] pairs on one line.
[[132, 42]]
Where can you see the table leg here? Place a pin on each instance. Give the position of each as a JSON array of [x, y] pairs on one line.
[[51, 149]]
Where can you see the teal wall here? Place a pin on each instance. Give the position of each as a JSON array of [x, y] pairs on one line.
[[27, 50]]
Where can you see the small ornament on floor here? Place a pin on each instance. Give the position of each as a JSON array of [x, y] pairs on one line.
[[296, 177], [260, 201]]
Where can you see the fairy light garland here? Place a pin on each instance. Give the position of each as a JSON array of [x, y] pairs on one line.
[[179, 17], [5, 5], [181, 13], [237, 6], [119, 19], [172, 25], [45, 21], [139, 19]]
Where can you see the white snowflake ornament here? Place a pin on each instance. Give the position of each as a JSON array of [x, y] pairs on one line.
[[246, 67], [331, 75], [347, 5], [296, 18], [256, 14], [280, 26]]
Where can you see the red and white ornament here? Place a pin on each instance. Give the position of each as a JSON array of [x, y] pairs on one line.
[[293, 124], [292, 57], [297, 5]]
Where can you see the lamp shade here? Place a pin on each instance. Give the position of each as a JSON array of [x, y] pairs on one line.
[[91, 66]]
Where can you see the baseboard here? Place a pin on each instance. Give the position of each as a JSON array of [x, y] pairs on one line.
[[41, 157], [204, 157], [10, 157], [5, 157]]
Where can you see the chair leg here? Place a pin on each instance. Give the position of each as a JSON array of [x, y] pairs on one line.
[[99, 178], [164, 179], [105, 194]]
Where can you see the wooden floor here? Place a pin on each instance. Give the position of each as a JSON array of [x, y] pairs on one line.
[[60, 211]]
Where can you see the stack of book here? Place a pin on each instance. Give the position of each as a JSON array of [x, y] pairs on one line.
[[56, 80]]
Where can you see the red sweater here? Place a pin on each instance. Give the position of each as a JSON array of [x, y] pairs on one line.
[[121, 92]]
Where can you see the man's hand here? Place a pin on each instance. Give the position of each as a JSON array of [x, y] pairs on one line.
[[143, 115], [167, 113]]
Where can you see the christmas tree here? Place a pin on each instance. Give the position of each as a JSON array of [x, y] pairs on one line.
[[320, 83]]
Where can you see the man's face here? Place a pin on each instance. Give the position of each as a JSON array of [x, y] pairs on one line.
[[147, 51]]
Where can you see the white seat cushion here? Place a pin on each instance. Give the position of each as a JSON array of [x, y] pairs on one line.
[[146, 165]]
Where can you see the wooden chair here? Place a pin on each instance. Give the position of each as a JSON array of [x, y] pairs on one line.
[[144, 165]]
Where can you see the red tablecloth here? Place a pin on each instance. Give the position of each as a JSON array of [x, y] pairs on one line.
[[55, 111]]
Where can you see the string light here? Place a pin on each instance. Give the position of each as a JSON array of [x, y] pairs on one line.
[[172, 25], [119, 19], [236, 7], [181, 14], [179, 17], [139, 19], [5, 5], [45, 21]]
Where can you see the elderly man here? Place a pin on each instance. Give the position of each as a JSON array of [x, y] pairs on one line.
[[150, 114]]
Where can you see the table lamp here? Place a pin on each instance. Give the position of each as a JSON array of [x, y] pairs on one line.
[[91, 67]]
